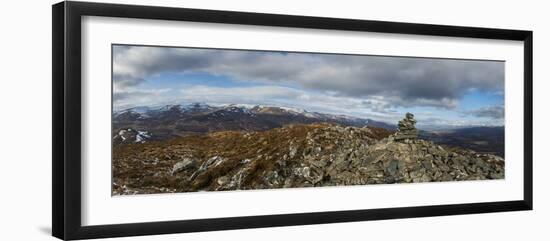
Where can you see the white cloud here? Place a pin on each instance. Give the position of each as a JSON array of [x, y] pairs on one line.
[[254, 93], [135, 97], [403, 82]]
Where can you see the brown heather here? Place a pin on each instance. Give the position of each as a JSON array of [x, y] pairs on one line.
[[301, 155]]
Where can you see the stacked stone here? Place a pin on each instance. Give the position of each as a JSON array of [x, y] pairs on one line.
[[406, 128]]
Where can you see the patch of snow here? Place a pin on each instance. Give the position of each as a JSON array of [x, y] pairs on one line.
[[141, 136], [121, 134], [247, 106], [294, 110], [169, 107], [199, 105], [237, 109], [140, 109], [145, 134], [195, 106], [310, 115]]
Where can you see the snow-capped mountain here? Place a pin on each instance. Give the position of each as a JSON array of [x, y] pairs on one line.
[[177, 120], [130, 135], [144, 124]]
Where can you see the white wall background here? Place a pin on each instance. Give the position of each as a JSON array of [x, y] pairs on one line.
[[25, 119]]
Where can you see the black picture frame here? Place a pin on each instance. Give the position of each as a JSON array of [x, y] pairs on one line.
[[66, 76]]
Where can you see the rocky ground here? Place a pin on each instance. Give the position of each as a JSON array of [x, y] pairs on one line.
[[291, 156]]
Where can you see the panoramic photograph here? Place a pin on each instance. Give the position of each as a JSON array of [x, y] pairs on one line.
[[199, 119]]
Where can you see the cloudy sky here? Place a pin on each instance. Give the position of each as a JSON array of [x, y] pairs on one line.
[[440, 92]]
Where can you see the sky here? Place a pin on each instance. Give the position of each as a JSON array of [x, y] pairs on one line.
[[440, 92]]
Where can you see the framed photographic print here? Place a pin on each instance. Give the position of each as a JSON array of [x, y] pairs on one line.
[[169, 120]]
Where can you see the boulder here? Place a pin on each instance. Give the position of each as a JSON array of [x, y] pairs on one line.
[[185, 164]]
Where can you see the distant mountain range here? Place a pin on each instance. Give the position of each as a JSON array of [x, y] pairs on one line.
[[140, 124], [177, 120]]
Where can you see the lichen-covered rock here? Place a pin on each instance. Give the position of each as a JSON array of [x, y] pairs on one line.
[[186, 163]]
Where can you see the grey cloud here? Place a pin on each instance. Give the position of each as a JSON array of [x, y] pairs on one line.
[[377, 106], [398, 81], [494, 112], [409, 81], [126, 80], [135, 97]]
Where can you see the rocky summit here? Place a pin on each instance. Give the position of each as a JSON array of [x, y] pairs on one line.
[[303, 155]]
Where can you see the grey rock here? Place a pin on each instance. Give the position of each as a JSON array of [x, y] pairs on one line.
[[425, 178], [427, 165], [212, 162], [392, 167], [293, 151], [185, 164], [223, 180]]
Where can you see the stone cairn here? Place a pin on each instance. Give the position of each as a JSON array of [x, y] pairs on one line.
[[406, 129]]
